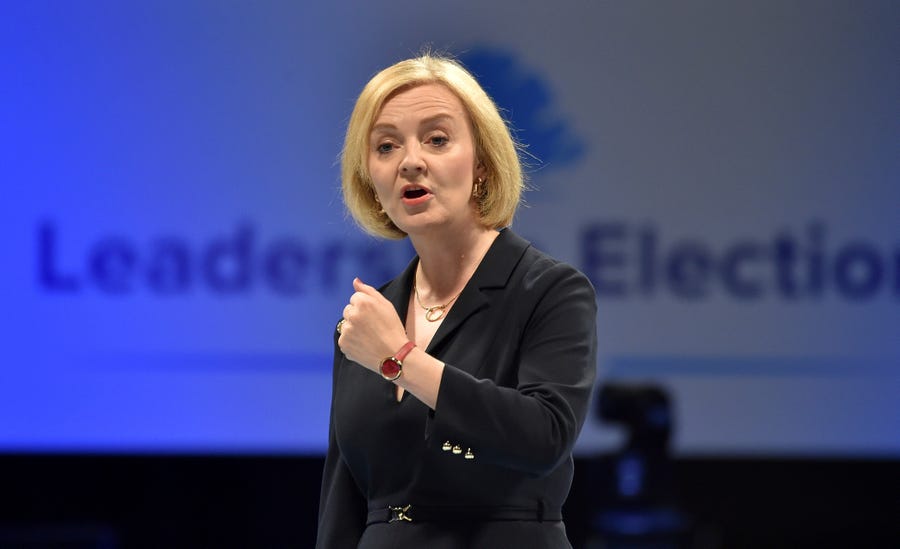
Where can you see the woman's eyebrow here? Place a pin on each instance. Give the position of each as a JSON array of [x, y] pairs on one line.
[[430, 121], [383, 127]]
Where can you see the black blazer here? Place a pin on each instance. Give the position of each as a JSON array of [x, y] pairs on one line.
[[520, 348]]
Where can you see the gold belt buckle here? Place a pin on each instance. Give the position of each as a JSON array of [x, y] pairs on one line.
[[400, 513]]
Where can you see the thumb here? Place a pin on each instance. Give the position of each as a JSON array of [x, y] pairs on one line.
[[361, 286]]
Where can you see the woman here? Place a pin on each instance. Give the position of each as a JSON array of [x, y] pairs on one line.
[[461, 385]]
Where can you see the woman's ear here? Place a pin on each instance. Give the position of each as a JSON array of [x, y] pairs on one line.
[[480, 170]]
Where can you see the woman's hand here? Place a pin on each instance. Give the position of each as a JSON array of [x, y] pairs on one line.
[[371, 330]]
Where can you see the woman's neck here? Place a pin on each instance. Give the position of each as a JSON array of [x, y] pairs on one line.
[[446, 264]]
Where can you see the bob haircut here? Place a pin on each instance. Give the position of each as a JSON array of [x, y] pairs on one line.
[[494, 146]]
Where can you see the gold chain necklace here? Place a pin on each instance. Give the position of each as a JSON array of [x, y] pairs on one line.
[[436, 312]]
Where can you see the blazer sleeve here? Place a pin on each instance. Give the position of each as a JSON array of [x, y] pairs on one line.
[[342, 507], [531, 427]]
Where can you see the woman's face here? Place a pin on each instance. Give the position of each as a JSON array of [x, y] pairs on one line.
[[422, 160]]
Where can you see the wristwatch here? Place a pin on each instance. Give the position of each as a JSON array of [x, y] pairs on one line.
[[392, 366]]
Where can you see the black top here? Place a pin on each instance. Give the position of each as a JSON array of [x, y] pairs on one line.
[[519, 347]]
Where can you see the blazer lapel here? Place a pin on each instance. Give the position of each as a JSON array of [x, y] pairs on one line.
[[397, 290], [493, 272]]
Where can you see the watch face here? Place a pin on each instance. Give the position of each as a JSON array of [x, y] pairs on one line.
[[390, 369]]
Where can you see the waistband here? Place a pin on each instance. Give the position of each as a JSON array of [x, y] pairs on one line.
[[431, 513]]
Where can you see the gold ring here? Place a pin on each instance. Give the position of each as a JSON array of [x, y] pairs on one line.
[[340, 325]]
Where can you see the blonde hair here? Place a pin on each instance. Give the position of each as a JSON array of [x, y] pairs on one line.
[[495, 148]]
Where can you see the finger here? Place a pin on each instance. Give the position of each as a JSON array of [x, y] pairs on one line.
[[348, 311], [362, 287]]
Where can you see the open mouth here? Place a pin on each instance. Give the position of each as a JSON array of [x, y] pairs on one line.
[[414, 193]]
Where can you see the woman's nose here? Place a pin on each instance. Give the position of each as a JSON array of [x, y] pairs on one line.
[[412, 163]]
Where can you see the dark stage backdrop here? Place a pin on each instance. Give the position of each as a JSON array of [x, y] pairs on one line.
[[175, 252], [149, 502]]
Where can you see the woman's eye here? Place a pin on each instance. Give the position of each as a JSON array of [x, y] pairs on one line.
[[438, 140], [384, 148]]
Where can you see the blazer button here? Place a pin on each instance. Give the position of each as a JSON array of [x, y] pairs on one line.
[[469, 454], [446, 446], [457, 450]]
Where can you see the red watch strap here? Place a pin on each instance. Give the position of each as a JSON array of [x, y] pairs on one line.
[[401, 354]]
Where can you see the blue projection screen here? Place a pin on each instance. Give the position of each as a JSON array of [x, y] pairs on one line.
[[177, 253]]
